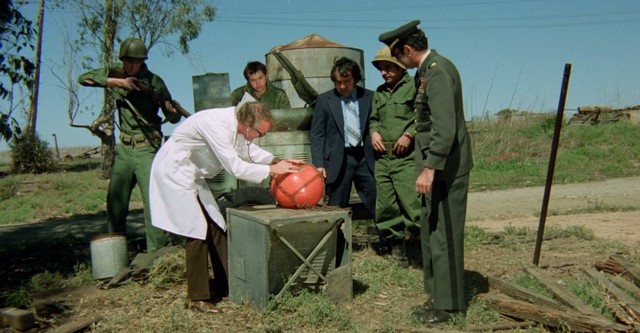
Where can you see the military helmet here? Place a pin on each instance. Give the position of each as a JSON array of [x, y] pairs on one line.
[[384, 54], [133, 48]]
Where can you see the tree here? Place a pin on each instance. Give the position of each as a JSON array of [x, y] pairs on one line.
[[16, 70], [173, 23]]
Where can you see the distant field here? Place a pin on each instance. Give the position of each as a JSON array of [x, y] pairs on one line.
[[5, 155]]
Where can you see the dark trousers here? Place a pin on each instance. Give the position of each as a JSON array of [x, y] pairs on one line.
[[215, 245], [442, 237], [356, 172]]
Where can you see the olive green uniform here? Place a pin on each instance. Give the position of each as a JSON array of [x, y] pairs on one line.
[[274, 97], [397, 205], [140, 138], [443, 143]]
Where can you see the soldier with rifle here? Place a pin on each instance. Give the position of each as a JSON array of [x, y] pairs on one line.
[[138, 94]]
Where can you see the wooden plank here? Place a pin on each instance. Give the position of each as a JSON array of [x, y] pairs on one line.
[[562, 294], [77, 324], [626, 285], [632, 271], [521, 293], [629, 303], [573, 320], [502, 326]]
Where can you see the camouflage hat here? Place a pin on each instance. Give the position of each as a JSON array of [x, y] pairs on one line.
[[384, 54], [391, 38]]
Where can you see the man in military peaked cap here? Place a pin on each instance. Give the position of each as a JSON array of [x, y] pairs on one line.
[[443, 161], [391, 38]]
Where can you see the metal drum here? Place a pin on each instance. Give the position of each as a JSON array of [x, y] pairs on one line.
[[211, 90], [314, 56]]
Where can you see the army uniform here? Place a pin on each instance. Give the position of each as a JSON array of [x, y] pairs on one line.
[[397, 206], [442, 144], [140, 137], [274, 97]]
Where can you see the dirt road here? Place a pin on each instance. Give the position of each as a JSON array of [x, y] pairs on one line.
[[568, 205]]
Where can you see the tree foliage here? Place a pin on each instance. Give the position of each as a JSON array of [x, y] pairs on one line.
[[30, 154], [106, 23], [16, 35], [172, 23]]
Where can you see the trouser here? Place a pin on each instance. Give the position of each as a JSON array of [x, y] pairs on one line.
[[442, 234], [354, 171], [397, 202], [215, 246], [132, 166]]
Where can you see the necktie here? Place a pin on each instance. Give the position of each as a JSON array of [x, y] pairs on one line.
[[353, 124]]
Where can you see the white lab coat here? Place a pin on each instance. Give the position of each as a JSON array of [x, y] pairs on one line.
[[199, 148]]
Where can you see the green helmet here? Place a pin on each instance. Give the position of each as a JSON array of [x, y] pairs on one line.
[[133, 48]]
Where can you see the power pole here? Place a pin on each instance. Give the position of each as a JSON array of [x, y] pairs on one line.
[[33, 112]]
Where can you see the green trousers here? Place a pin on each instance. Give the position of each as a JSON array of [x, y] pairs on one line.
[[443, 217], [397, 202], [132, 166]]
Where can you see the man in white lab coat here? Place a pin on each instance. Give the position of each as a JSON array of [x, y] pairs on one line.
[[201, 147]]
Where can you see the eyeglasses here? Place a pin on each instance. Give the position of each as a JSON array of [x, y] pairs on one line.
[[260, 134]]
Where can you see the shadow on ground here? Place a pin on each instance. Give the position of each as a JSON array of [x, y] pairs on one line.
[[57, 245]]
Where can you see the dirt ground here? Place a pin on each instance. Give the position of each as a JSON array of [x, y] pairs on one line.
[[492, 211]]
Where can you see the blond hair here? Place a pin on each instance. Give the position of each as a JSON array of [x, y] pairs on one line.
[[252, 113]]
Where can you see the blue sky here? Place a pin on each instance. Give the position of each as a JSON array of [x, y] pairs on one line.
[[510, 53]]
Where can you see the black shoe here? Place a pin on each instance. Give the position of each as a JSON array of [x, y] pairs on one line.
[[433, 316], [428, 305], [399, 254]]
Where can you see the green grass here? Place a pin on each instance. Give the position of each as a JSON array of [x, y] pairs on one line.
[[77, 189], [517, 154], [590, 293], [50, 281]]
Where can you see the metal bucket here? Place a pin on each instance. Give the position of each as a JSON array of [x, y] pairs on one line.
[[108, 255]]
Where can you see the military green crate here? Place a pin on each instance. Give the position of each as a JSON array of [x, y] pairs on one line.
[[273, 250]]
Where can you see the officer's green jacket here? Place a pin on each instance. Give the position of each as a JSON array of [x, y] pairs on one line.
[[392, 113], [145, 117], [274, 97], [442, 140]]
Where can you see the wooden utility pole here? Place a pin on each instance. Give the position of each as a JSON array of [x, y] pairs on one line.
[[33, 112]]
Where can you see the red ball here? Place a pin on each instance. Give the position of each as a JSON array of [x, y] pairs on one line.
[[299, 189]]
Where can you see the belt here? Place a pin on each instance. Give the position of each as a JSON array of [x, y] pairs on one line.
[[389, 152], [141, 140], [354, 150]]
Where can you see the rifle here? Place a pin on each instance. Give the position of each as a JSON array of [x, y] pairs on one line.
[[156, 95], [304, 89]]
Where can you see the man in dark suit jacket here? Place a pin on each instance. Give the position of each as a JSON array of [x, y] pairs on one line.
[[341, 149]]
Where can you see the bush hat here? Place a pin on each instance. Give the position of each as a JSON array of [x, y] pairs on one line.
[[384, 54]]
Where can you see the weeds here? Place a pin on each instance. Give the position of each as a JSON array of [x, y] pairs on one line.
[[590, 294], [527, 281], [8, 188], [49, 281], [307, 309]]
